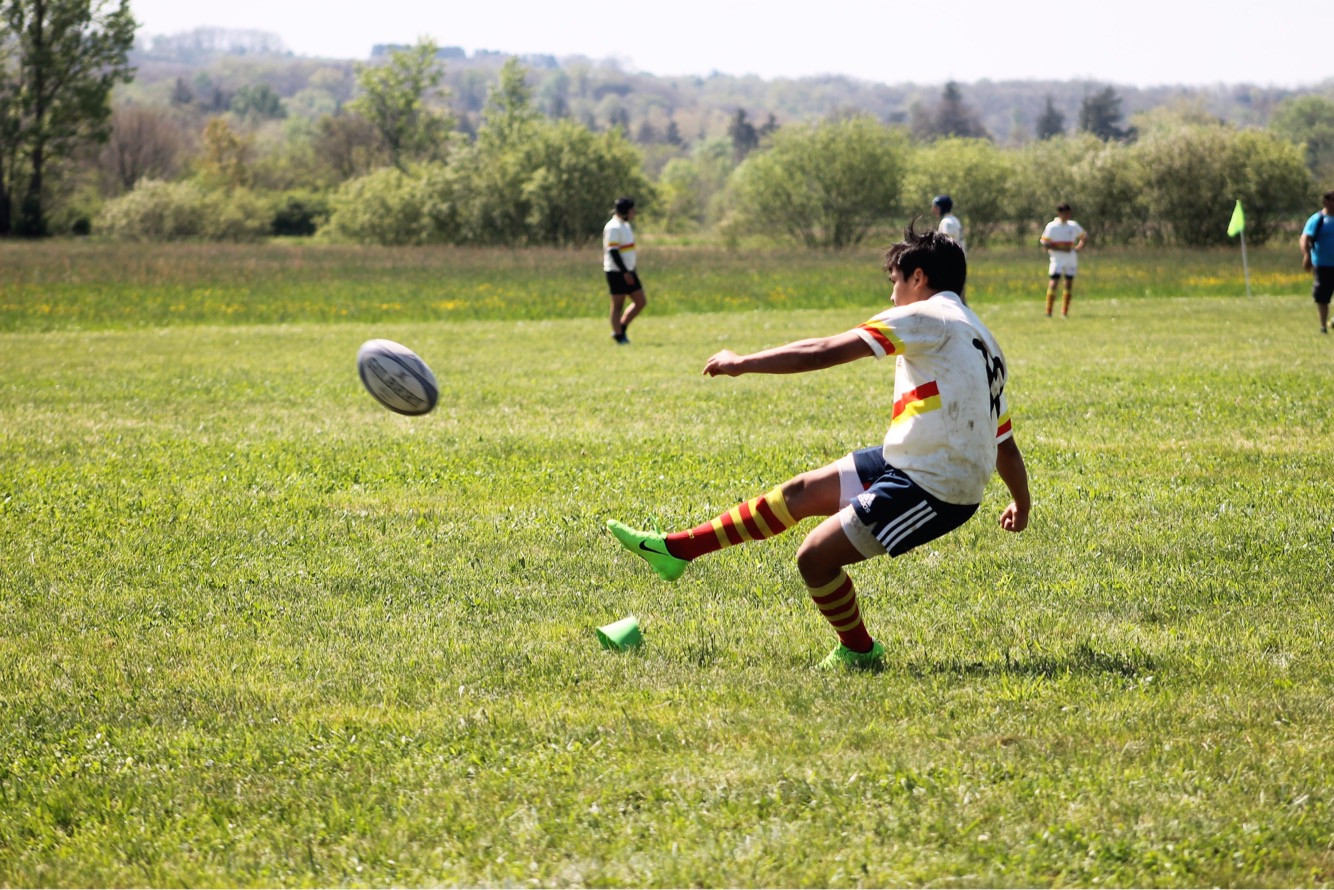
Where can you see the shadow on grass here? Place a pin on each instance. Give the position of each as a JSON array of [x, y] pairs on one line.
[[1083, 659]]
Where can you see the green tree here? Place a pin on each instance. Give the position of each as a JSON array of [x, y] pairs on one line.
[[745, 138], [509, 113], [9, 133], [692, 189], [1193, 176], [396, 98], [224, 157], [67, 57], [1051, 122], [575, 175], [1100, 114], [955, 117], [1309, 121], [824, 185], [974, 172], [258, 101]]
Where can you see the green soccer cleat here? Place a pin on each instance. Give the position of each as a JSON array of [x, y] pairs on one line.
[[650, 546], [844, 657]]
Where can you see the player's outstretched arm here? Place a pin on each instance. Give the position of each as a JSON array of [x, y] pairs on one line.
[[794, 358], [1013, 472]]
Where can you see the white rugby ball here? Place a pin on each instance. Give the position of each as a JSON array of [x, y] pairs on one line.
[[397, 377]]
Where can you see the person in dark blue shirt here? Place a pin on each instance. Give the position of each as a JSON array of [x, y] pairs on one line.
[[1318, 256]]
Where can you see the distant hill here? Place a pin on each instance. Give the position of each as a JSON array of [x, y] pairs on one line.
[[215, 63]]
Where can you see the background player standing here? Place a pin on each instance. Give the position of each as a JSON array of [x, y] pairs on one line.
[[1318, 257], [1063, 238], [618, 261], [943, 207]]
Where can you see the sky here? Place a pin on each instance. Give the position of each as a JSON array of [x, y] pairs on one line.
[[1130, 42]]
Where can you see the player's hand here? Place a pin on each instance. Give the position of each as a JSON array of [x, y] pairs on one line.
[[629, 278], [1013, 519], [1306, 264], [724, 363]]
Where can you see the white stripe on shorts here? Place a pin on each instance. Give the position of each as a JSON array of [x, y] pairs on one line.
[[906, 524]]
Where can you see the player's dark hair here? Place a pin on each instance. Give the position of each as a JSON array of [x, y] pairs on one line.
[[624, 204], [1329, 196], [1062, 207], [939, 256]]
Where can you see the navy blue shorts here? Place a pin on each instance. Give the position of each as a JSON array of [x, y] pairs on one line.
[[886, 511]]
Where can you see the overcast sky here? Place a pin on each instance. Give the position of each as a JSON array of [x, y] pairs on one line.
[[1134, 42]]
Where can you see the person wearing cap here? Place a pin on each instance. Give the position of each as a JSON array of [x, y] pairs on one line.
[[1317, 243], [618, 261], [1063, 238], [943, 207]]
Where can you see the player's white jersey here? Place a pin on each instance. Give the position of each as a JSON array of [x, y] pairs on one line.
[[950, 225], [617, 235], [949, 408], [1061, 237]]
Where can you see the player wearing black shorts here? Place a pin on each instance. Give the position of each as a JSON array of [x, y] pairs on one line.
[[618, 261]]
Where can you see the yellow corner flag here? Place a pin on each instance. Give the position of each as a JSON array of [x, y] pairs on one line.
[[1238, 223]]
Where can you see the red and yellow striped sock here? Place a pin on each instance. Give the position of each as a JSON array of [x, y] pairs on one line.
[[1065, 302], [1051, 297], [756, 519], [837, 602]]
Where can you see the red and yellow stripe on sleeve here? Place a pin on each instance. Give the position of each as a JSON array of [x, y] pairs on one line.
[[916, 401], [1004, 427], [884, 336]]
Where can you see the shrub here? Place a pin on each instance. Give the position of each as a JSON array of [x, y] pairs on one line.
[[177, 211], [386, 206], [154, 211], [299, 214]]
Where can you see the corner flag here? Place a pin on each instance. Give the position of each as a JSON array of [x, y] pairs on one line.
[[1238, 223], [1238, 227]]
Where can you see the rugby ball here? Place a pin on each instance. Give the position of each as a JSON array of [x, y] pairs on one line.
[[397, 377]]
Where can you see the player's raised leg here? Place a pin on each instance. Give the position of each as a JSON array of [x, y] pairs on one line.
[[815, 493]]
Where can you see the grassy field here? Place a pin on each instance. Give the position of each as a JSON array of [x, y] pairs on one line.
[[97, 285], [256, 630]]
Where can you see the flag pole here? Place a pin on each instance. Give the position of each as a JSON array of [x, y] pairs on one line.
[[1245, 269]]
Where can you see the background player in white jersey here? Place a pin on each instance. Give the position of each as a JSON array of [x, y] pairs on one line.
[[618, 261], [949, 428], [1063, 238], [943, 207]]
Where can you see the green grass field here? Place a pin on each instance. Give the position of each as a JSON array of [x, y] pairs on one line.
[[256, 630]]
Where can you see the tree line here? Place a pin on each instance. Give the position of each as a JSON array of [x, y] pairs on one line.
[[395, 164]]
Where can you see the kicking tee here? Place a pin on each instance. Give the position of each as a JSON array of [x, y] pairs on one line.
[[949, 408], [617, 235]]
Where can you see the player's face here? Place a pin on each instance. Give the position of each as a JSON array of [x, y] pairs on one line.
[[903, 287]]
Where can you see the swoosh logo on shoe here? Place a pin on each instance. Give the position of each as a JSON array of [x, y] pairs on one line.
[[651, 550]]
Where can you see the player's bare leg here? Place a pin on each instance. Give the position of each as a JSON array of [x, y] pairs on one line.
[[617, 305], [637, 301]]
